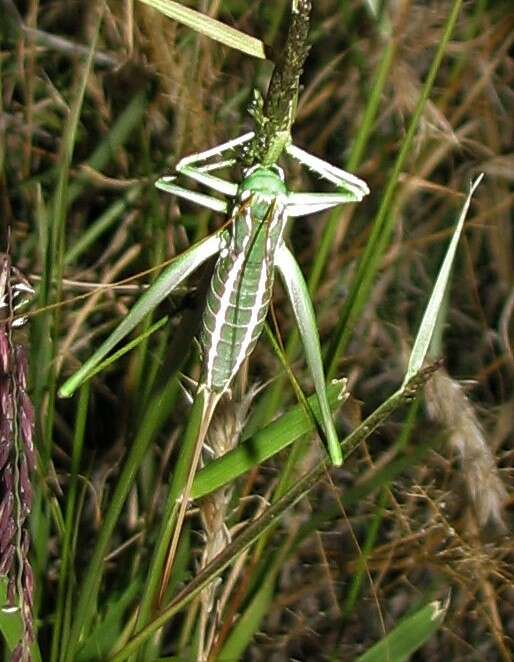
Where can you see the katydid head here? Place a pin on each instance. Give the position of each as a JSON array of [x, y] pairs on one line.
[[259, 179]]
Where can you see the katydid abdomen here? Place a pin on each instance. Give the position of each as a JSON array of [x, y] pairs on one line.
[[242, 283]]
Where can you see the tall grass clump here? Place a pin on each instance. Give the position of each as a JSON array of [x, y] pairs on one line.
[[406, 548]]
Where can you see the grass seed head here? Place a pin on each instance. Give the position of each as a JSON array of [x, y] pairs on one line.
[[448, 404]]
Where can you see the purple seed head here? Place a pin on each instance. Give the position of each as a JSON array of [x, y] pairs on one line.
[[4, 350], [17, 455]]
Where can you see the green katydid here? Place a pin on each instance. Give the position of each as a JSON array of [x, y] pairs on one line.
[[250, 247], [249, 250]]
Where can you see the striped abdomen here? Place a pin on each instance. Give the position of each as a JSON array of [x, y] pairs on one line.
[[240, 290]]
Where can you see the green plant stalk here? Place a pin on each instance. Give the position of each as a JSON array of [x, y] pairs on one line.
[[171, 509], [59, 636], [156, 416], [384, 221], [273, 399], [46, 344], [471, 29]]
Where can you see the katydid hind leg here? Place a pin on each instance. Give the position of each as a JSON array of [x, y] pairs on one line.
[[171, 277], [304, 313]]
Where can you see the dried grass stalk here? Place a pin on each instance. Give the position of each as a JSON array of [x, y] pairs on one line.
[[224, 433]]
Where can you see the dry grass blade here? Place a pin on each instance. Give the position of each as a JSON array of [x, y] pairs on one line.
[[209, 27]]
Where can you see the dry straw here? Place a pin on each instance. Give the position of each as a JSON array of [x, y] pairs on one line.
[[224, 435]]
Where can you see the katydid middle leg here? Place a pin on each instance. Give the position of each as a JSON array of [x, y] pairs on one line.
[[331, 173]]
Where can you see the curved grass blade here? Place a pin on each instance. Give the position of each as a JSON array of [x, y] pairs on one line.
[[428, 323], [407, 636], [209, 27], [264, 444], [384, 220]]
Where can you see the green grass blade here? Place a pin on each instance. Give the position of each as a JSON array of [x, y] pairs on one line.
[[104, 635], [44, 331], [428, 323], [128, 347], [59, 633], [156, 416], [209, 27], [171, 508], [264, 444], [407, 636], [101, 225], [249, 622], [11, 625]]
